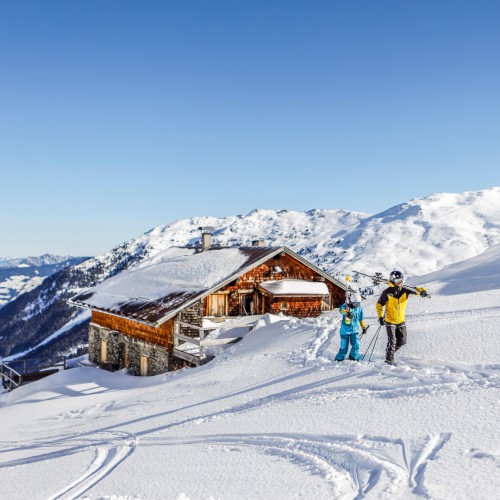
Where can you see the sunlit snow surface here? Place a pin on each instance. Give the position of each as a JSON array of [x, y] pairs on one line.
[[275, 417], [184, 270]]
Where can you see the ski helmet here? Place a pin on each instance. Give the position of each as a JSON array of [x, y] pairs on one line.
[[354, 298], [396, 277]]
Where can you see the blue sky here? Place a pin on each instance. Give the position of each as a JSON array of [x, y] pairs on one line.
[[116, 116]]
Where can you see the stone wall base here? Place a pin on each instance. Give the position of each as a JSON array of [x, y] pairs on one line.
[[114, 348]]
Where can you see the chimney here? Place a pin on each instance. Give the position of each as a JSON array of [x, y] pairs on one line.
[[206, 238], [258, 243]]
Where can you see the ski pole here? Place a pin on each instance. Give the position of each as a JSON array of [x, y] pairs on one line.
[[369, 345], [361, 336], [374, 344]]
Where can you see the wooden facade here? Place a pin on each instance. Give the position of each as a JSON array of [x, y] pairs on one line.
[[242, 297], [300, 307], [162, 335]]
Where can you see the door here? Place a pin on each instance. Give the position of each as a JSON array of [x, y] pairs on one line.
[[247, 304], [217, 305], [144, 365], [104, 351], [125, 355]]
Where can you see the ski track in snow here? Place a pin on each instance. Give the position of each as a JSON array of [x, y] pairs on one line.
[[107, 456], [352, 465], [110, 449]]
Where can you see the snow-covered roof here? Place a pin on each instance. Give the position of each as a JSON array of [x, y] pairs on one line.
[[176, 278], [288, 287]]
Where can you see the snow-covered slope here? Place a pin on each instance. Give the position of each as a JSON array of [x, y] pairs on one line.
[[275, 417], [424, 235], [420, 236], [479, 273]]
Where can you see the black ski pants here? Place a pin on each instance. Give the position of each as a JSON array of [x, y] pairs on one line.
[[396, 338]]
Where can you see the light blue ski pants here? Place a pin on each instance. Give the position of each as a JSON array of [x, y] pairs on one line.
[[353, 338]]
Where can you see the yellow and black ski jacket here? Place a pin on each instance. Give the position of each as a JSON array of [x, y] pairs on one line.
[[394, 300]]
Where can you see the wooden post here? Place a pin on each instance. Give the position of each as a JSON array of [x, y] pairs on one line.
[[25, 363], [176, 332], [202, 338]]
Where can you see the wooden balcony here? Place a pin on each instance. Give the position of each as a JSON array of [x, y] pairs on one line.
[[192, 349]]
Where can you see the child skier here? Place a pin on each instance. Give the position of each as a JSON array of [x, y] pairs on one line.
[[352, 319]]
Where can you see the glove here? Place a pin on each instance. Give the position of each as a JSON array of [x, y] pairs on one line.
[[349, 315], [364, 330], [381, 321], [423, 293]]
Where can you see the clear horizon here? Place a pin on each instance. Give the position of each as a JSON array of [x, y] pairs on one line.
[[119, 116]]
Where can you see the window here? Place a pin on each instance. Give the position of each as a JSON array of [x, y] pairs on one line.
[[217, 305], [104, 351], [144, 365]]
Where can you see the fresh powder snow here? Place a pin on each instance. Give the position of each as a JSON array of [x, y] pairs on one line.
[[169, 273], [275, 416]]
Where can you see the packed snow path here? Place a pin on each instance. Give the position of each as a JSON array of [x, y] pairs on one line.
[[275, 417]]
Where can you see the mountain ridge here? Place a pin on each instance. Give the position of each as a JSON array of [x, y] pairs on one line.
[[419, 236]]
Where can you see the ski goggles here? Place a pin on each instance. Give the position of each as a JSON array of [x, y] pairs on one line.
[[397, 281]]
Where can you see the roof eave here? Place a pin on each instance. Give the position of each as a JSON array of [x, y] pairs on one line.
[[93, 308]]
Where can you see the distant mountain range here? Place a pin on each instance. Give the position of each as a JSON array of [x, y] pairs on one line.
[[20, 275], [419, 237], [46, 259]]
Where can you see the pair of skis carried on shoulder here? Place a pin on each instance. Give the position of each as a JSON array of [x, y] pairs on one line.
[[378, 278]]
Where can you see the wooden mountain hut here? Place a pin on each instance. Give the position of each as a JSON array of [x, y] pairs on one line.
[[148, 318]]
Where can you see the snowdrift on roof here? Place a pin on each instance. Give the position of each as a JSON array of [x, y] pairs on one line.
[[294, 287]]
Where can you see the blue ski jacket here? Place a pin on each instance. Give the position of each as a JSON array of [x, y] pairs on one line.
[[351, 325]]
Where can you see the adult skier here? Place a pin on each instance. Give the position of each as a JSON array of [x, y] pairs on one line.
[[352, 319], [394, 299]]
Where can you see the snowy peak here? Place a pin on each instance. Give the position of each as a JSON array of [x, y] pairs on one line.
[[426, 234]]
